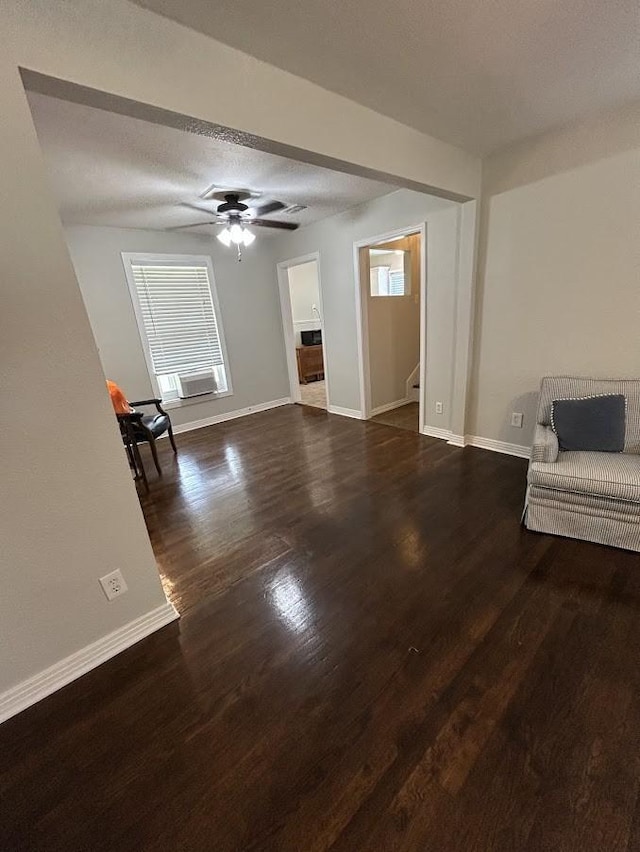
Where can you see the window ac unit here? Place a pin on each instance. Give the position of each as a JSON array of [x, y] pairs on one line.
[[196, 384]]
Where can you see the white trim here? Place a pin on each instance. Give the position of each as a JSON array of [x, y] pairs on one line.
[[229, 415], [464, 312], [345, 412], [287, 322], [435, 432], [129, 258], [46, 682], [446, 435], [362, 335], [390, 406], [362, 322], [498, 446], [422, 366], [478, 442], [458, 440]]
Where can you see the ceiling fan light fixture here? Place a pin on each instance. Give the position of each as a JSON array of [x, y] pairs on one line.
[[225, 237], [236, 233], [247, 236]]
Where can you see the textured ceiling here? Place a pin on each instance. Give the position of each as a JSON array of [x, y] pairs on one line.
[[109, 169], [476, 73]]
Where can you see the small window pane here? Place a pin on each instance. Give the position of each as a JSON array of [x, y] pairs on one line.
[[389, 272]]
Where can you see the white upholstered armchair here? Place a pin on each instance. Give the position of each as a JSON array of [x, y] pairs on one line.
[[588, 495]]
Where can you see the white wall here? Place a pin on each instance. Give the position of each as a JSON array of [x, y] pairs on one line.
[[334, 239], [70, 511], [248, 296], [559, 280]]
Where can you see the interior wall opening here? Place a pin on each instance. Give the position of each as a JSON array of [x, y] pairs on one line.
[[393, 321], [304, 295], [303, 327]]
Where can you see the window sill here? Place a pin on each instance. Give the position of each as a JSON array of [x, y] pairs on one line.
[[194, 400]]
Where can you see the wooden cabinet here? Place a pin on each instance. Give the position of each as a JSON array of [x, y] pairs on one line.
[[310, 363]]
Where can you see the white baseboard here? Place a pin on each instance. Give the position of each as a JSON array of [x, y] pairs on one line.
[[458, 440], [38, 686], [345, 412], [435, 432], [476, 441], [230, 415], [381, 409], [518, 450]]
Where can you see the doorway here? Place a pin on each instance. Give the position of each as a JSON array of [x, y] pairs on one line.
[[392, 288], [303, 326]]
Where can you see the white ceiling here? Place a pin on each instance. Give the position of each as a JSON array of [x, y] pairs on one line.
[[109, 169], [476, 73]]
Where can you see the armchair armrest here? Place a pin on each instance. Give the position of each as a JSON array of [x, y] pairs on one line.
[[545, 444], [145, 402], [156, 402]]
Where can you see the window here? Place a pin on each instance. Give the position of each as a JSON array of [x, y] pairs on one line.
[[387, 270], [179, 322], [396, 282]]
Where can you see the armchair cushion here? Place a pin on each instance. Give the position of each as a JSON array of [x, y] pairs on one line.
[[157, 424], [595, 423], [565, 387], [545, 444], [615, 475]]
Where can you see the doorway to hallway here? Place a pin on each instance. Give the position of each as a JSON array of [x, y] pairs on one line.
[[303, 325], [392, 300]]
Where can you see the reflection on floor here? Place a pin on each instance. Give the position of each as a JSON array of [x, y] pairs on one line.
[[315, 394], [405, 417]]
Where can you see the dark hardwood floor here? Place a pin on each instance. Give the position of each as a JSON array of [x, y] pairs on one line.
[[405, 417], [373, 655]]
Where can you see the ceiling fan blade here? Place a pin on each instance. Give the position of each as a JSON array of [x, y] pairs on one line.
[[272, 223], [271, 207], [210, 211], [193, 225]]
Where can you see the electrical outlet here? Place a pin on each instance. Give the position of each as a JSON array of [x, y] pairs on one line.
[[113, 585], [516, 419], [439, 408]]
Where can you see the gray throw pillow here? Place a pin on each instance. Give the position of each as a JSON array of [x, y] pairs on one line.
[[595, 423]]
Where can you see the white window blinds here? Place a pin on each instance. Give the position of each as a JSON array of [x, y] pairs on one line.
[[396, 282], [179, 317]]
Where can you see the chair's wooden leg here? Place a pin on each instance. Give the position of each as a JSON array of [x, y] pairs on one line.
[[139, 465], [154, 453], [130, 456], [173, 443]]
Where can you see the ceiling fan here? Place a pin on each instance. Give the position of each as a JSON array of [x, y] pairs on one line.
[[235, 215]]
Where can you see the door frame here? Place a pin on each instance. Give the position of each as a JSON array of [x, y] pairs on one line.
[[362, 317], [287, 322]]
